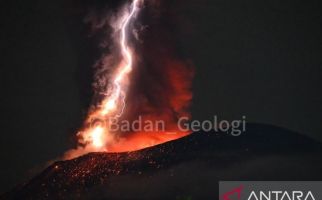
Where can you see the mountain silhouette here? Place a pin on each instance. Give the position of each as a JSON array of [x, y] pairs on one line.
[[187, 168]]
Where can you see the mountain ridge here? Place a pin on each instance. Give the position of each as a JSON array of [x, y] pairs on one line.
[[214, 151]]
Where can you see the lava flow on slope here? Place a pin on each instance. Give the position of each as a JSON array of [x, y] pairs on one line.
[[180, 169]]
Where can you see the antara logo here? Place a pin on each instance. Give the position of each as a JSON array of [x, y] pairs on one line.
[[269, 195], [237, 191], [281, 195]]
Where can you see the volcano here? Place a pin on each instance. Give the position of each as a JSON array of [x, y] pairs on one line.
[[186, 168]]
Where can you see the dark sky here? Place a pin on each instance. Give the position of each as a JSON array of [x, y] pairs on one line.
[[261, 59]]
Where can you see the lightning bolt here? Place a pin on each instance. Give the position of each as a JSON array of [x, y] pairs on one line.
[[113, 105], [110, 104]]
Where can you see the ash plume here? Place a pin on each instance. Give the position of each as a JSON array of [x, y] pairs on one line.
[[158, 86]]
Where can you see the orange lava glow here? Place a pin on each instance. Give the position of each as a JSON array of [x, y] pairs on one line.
[[141, 140]]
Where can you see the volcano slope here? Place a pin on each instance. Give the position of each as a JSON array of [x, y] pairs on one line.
[[187, 168]]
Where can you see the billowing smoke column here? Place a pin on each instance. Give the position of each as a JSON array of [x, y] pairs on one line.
[[155, 87], [95, 137]]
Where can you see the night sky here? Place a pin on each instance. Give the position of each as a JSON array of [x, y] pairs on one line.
[[259, 59]]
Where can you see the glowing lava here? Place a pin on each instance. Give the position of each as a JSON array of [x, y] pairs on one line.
[[97, 136]]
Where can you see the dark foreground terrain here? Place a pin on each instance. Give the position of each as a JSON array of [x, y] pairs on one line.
[[188, 168]]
